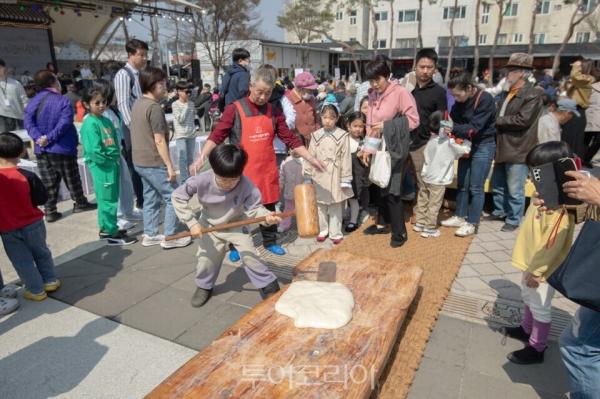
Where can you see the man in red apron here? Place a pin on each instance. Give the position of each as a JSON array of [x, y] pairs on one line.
[[252, 124]]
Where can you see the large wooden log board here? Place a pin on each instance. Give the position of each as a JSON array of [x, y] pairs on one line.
[[264, 356]]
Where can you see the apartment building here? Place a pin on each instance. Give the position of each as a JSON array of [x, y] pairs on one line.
[[552, 22]]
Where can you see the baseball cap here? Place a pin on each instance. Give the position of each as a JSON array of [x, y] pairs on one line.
[[569, 105], [305, 80]]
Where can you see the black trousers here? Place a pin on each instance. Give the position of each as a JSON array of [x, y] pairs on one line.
[[269, 233], [391, 211], [56, 167]]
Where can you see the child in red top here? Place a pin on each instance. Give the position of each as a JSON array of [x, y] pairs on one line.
[[21, 222]]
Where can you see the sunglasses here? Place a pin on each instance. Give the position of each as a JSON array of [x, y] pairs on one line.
[[99, 103]]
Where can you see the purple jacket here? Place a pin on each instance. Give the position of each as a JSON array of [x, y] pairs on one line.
[[55, 121]]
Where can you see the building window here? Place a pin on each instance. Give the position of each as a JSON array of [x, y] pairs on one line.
[[406, 43], [381, 43], [502, 38], [339, 15], [543, 8], [381, 16], [408, 16], [539, 38], [458, 13], [352, 39], [517, 38], [511, 10], [482, 39], [557, 7], [582, 37], [459, 41], [353, 17], [485, 14], [586, 5]]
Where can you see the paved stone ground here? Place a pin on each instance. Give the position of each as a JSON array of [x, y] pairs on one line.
[[149, 289], [468, 361], [466, 354]]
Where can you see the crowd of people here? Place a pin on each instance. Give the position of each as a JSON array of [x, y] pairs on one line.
[[363, 145]]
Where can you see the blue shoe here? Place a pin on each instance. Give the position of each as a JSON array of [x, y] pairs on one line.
[[276, 249], [234, 255]]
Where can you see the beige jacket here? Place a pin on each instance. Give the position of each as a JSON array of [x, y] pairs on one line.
[[581, 86], [333, 150]]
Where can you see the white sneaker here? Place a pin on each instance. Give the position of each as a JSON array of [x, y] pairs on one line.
[[454, 221], [135, 215], [150, 241], [179, 243], [466, 230], [125, 224], [9, 291], [430, 233], [418, 227]]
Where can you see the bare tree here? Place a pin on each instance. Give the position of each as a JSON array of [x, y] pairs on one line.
[[579, 14], [391, 19], [420, 25], [347, 47], [476, 49], [593, 23], [222, 21], [308, 20], [501, 10], [370, 4], [452, 44], [537, 4]]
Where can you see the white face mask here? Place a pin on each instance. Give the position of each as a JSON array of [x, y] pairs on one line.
[[506, 85]]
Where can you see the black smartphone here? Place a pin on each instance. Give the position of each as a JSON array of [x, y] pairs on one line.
[[549, 179], [562, 166], [544, 180]]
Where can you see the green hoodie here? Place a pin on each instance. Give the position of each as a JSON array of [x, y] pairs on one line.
[[99, 140]]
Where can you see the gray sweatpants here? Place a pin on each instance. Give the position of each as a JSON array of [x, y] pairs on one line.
[[211, 252]]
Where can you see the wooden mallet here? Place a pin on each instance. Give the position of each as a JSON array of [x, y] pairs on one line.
[[307, 217]]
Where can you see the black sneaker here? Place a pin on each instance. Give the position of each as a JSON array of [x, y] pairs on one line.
[[53, 217], [516, 333], [200, 297], [492, 217], [121, 241], [527, 355], [373, 229], [269, 290], [397, 244], [508, 228], [351, 227], [103, 234], [88, 206]]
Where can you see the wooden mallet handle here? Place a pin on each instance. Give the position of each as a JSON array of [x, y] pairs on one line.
[[226, 226]]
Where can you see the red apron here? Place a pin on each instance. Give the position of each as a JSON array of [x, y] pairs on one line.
[[257, 137]]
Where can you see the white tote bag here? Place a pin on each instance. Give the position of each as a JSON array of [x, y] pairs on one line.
[[381, 166]]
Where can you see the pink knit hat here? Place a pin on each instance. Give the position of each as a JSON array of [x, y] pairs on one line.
[[305, 80]]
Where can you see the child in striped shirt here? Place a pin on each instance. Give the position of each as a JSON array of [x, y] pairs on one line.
[[185, 130]]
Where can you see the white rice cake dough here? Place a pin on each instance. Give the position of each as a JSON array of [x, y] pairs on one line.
[[317, 304]]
